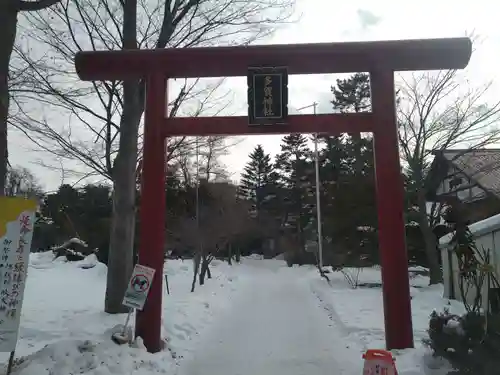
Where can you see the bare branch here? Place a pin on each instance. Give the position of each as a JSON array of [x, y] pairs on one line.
[[439, 111], [50, 85]]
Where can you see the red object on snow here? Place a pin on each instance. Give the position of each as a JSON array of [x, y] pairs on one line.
[[379, 362]]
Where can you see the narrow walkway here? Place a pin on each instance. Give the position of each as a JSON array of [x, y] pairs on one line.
[[276, 327]]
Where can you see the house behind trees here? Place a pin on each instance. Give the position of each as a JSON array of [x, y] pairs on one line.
[[471, 177]]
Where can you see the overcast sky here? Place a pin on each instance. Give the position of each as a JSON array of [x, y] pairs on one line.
[[335, 21]]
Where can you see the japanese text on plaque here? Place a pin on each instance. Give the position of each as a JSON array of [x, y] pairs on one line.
[[268, 96], [16, 232], [13, 270]]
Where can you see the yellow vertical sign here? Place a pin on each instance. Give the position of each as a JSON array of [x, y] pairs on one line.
[[17, 217]]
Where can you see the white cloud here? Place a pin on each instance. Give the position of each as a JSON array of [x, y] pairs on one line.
[[367, 18]]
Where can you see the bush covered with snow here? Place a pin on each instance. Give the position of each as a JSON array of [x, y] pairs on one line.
[[74, 250], [464, 341]]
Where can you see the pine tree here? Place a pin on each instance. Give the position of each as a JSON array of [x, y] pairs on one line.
[[295, 170], [349, 210], [352, 95], [256, 179]]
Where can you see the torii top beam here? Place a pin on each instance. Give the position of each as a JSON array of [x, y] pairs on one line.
[[320, 58]]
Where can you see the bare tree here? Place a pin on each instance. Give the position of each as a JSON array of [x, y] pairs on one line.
[[438, 111], [9, 10], [222, 219], [113, 110], [210, 164], [210, 150], [21, 182]]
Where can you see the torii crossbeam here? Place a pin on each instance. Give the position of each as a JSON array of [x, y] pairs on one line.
[[380, 59]]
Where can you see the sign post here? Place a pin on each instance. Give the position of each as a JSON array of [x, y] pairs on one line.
[[267, 95], [138, 287], [17, 216]]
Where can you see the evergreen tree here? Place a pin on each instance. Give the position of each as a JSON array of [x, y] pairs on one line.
[[295, 170], [333, 168], [255, 184], [352, 95], [347, 172], [83, 213]]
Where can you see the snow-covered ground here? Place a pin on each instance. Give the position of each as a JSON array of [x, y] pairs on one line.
[[358, 315], [257, 317]]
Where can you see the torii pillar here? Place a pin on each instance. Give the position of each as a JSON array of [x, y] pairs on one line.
[[380, 59]]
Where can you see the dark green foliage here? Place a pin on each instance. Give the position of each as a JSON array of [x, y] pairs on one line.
[[275, 202], [349, 209], [257, 184], [45, 234], [347, 191], [84, 213], [464, 342], [352, 94], [348, 161], [256, 176], [295, 173]]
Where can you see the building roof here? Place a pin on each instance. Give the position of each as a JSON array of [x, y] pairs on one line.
[[482, 166]]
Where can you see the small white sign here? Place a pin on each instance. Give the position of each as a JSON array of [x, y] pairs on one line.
[[16, 231], [138, 287]]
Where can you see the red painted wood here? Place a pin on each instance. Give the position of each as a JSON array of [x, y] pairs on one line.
[[398, 55], [152, 225], [324, 123], [390, 207]]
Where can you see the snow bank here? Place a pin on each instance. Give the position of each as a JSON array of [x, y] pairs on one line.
[[65, 331], [359, 314], [186, 315], [87, 357], [63, 308]]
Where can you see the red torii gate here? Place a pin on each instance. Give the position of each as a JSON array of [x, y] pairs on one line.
[[380, 59]]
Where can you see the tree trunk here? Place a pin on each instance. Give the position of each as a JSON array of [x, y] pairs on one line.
[[237, 256], [430, 242], [196, 267], [121, 244], [230, 254], [451, 279], [203, 273], [209, 273], [8, 20]]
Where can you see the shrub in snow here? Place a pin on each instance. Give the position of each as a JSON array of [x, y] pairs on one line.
[[351, 275], [464, 341], [74, 250]]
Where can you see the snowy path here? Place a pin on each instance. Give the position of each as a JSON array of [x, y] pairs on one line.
[[274, 327]]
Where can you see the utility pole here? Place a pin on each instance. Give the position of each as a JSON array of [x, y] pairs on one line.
[[318, 198], [197, 188], [318, 192], [198, 232]]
